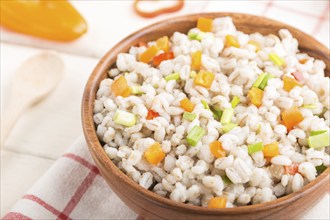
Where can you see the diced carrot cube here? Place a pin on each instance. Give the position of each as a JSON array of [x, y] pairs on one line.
[[291, 117], [271, 150], [187, 105], [289, 83], [204, 24], [148, 54], [217, 202], [204, 78], [231, 41], [196, 60], [154, 154], [216, 149], [120, 87], [255, 95], [163, 44]]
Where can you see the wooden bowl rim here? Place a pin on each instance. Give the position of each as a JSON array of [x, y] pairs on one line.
[[99, 154]]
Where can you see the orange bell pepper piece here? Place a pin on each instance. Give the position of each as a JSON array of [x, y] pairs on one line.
[[216, 149], [271, 150], [289, 83], [291, 117], [196, 60], [204, 24], [163, 56], [53, 20], [163, 44], [149, 54], [120, 87], [151, 115], [255, 95], [186, 105], [204, 78], [217, 202], [154, 154], [231, 41]]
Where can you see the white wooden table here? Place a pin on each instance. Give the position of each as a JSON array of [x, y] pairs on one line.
[[47, 129]]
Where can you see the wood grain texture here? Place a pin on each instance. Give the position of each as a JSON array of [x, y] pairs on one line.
[[152, 206]]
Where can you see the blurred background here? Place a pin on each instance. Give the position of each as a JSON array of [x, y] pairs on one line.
[[48, 128]]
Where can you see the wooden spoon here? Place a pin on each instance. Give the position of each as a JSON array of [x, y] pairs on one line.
[[32, 82]]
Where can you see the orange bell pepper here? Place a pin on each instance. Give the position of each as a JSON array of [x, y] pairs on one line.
[[204, 78], [231, 41], [53, 20], [271, 150], [151, 115], [204, 24], [163, 44], [217, 202], [154, 154], [216, 149], [149, 54], [120, 87], [291, 117], [255, 95], [163, 56], [196, 60], [289, 83], [186, 105]]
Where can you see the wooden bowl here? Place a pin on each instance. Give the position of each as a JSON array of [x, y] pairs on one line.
[[150, 205]]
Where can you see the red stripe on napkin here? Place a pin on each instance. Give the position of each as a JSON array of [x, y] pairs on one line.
[[45, 205], [16, 216], [82, 161], [79, 193]]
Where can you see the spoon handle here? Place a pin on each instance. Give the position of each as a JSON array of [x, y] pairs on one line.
[[12, 112]]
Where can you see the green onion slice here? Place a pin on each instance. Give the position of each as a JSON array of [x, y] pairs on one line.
[[318, 140], [227, 115], [136, 90], [264, 82], [259, 80], [192, 35], [124, 118], [235, 101], [217, 113], [253, 148], [311, 106], [276, 59], [173, 76], [226, 128], [205, 104], [313, 133], [195, 135], [189, 116]]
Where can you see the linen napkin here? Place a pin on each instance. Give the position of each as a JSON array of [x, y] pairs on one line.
[[71, 189]]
